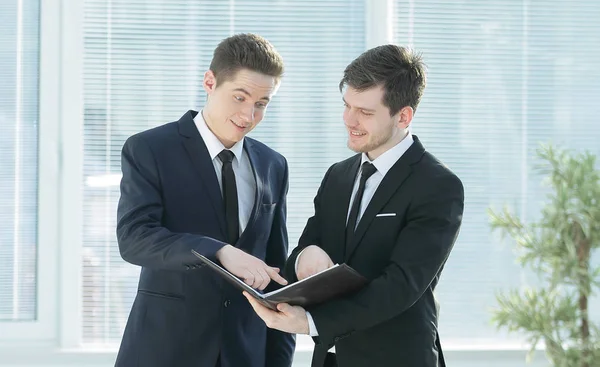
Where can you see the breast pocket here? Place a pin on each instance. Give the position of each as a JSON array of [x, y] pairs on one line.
[[262, 222], [266, 215], [382, 234], [257, 236]]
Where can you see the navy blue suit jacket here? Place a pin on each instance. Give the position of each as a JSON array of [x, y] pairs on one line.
[[171, 203]]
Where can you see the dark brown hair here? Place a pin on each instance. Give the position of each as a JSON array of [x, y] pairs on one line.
[[245, 51], [399, 70]]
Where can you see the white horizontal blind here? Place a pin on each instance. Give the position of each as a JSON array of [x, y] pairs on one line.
[[504, 76], [19, 60], [144, 63]]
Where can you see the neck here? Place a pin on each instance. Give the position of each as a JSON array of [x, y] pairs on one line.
[[209, 123], [392, 142]]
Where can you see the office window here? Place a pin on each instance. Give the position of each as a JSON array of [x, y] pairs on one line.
[[19, 41], [503, 77], [143, 66]]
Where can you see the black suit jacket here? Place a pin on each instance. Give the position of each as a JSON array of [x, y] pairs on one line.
[[171, 203], [393, 321]]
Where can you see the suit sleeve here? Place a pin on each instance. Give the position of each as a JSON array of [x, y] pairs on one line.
[[141, 237], [421, 250], [310, 235], [280, 345]]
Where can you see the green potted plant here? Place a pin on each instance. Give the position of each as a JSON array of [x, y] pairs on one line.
[[559, 248]]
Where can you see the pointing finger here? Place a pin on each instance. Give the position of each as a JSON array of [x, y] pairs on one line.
[[275, 276]]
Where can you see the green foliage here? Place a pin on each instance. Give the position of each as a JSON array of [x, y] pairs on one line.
[[558, 249]]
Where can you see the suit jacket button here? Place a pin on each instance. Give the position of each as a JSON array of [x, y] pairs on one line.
[[227, 303]]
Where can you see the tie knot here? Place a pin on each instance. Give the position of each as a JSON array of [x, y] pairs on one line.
[[367, 171], [226, 156]]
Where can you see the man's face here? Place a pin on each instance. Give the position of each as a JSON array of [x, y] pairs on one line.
[[370, 127], [236, 106]]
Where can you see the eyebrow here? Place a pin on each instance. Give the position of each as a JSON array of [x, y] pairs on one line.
[[248, 94], [360, 108]]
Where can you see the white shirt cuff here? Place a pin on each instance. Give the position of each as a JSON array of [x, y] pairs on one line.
[[312, 328]]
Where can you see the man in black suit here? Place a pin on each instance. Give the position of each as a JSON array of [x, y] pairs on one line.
[[392, 212], [200, 184]]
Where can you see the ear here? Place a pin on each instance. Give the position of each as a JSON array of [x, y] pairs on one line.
[[404, 117], [210, 82]]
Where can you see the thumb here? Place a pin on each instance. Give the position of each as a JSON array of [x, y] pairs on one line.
[[284, 307]]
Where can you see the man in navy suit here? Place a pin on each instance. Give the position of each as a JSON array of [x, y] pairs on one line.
[[200, 184]]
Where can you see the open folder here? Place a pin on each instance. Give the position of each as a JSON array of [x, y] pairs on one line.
[[331, 283]]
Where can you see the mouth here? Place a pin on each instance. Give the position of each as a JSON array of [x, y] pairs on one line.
[[241, 127], [357, 134]]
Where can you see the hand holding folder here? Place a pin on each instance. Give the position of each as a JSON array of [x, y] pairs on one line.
[[331, 283]]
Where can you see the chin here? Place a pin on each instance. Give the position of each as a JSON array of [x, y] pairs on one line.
[[355, 149]]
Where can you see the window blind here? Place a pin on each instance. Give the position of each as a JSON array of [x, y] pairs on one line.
[[504, 76], [19, 60], [143, 66]]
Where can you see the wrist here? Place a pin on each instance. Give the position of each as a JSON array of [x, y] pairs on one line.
[[306, 249], [219, 253]]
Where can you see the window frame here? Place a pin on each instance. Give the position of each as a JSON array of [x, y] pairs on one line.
[[43, 328]]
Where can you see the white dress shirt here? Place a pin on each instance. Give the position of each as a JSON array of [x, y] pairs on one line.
[[242, 169], [383, 163]]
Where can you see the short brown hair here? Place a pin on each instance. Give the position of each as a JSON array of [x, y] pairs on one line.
[[399, 70], [245, 51]]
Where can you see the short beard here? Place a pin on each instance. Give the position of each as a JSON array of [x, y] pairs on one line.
[[370, 146]]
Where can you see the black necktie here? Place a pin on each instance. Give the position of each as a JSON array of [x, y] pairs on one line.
[[230, 196], [367, 171]]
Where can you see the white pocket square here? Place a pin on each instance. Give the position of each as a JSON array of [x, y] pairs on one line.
[[386, 215]]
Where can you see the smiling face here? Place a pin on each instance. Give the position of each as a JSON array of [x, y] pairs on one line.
[[235, 106], [370, 127]]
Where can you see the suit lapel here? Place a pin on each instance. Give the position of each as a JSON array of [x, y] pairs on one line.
[[390, 184], [201, 161], [340, 212], [259, 175]]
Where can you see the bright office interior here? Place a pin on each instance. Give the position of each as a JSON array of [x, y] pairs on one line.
[[80, 76]]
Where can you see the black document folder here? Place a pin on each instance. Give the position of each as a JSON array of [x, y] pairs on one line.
[[337, 281]]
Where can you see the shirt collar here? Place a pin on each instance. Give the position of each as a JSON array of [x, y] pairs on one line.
[[384, 162], [213, 144]]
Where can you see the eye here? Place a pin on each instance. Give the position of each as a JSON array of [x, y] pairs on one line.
[[366, 113], [239, 98], [346, 105], [261, 105]]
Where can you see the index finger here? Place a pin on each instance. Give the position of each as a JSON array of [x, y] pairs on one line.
[[273, 274]]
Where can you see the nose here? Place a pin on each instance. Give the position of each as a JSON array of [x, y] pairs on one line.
[[247, 114], [350, 119]]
